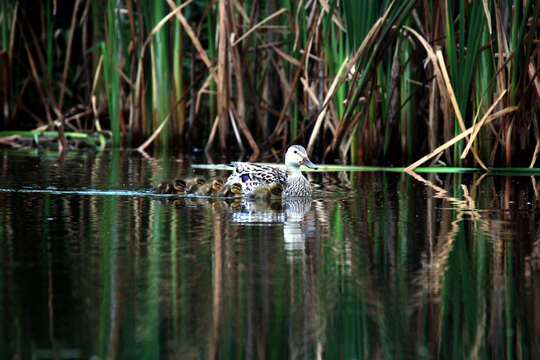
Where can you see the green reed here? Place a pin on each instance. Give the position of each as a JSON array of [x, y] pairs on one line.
[[336, 51], [178, 79], [6, 10], [159, 53], [361, 18], [463, 46], [292, 7], [111, 56], [49, 35], [520, 52], [408, 100], [484, 88]]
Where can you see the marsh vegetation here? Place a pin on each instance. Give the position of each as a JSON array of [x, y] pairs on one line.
[[362, 81]]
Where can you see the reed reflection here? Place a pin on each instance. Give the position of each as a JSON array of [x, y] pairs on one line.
[[427, 267], [472, 275]]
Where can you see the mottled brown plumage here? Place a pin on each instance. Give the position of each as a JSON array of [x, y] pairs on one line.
[[253, 176]]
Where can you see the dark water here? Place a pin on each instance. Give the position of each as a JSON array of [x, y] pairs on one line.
[[377, 266]]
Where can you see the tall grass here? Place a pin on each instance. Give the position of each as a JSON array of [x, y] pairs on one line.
[[265, 69]]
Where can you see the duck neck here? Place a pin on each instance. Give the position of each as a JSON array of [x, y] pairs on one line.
[[294, 170]]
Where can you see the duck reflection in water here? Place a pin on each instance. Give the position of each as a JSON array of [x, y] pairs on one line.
[[265, 209], [290, 211]]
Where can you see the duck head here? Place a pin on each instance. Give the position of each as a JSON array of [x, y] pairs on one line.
[[296, 155]]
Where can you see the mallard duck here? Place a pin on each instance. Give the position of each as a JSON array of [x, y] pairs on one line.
[[268, 192], [210, 188], [252, 176]]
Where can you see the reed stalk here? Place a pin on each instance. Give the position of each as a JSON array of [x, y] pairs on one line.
[[4, 24], [178, 83], [111, 63], [212, 54], [484, 89], [408, 109], [463, 46], [160, 51]]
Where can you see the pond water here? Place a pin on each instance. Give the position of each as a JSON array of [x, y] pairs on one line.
[[376, 266]]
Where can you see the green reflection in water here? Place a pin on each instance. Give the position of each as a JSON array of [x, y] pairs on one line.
[[109, 239], [400, 267]]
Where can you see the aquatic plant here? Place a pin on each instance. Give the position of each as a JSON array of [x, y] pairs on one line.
[[363, 81]]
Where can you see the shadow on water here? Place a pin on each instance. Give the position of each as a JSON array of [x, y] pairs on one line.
[[377, 265]]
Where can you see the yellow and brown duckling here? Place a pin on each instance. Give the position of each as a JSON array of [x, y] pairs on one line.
[[198, 185], [177, 186], [211, 188], [231, 190], [194, 183]]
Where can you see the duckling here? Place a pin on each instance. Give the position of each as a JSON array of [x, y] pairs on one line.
[[210, 188], [268, 192], [231, 190], [164, 188], [193, 183], [179, 186]]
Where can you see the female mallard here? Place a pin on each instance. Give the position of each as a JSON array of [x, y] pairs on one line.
[[252, 176]]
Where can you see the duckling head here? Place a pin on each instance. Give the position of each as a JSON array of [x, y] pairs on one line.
[[195, 183], [179, 186], [200, 180], [236, 189], [296, 155], [276, 189], [217, 184], [231, 190]]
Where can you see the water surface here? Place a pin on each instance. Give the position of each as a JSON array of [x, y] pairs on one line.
[[377, 265]]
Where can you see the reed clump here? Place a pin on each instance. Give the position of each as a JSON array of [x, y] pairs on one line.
[[358, 81]]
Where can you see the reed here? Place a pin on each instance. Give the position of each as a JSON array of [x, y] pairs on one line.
[[179, 107], [267, 68], [159, 52], [4, 26], [111, 56]]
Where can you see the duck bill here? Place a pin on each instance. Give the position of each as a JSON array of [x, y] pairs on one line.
[[309, 164]]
